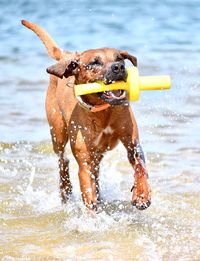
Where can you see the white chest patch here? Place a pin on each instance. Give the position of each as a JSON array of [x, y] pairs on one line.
[[108, 130]]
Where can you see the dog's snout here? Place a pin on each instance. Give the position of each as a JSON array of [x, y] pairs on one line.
[[118, 67], [116, 72]]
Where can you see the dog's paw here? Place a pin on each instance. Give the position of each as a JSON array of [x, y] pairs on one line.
[[65, 196], [140, 203], [141, 198]]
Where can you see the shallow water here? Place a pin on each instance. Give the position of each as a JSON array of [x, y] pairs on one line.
[[34, 224]]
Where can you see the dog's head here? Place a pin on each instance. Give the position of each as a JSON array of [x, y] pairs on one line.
[[99, 64]]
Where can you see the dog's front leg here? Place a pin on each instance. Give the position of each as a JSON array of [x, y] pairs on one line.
[[141, 197], [128, 134], [88, 185]]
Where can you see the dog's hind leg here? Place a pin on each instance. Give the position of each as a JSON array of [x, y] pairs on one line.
[[59, 135], [95, 177], [65, 183], [59, 143], [59, 140]]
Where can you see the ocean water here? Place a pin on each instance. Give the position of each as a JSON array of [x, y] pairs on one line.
[[164, 35]]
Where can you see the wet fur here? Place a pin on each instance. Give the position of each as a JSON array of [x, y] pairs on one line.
[[90, 134]]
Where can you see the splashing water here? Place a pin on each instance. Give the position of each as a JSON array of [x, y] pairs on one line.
[[35, 224]]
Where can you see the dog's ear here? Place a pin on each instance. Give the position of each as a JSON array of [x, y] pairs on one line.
[[130, 57], [65, 67]]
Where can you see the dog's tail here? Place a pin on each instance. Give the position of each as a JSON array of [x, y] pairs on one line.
[[53, 50]]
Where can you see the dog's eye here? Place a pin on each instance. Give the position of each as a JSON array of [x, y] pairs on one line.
[[118, 58], [94, 64]]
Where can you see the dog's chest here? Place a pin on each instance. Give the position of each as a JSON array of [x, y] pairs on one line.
[[106, 139]]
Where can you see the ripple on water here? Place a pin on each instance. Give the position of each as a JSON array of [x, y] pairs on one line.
[[36, 225]]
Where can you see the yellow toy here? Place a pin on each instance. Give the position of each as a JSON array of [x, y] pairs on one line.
[[133, 85]]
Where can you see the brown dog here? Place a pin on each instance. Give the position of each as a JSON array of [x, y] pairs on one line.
[[92, 123]]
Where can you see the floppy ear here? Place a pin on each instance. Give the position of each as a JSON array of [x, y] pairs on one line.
[[63, 68], [130, 57]]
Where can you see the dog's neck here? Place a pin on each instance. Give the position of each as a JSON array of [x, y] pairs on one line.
[[92, 108], [90, 102]]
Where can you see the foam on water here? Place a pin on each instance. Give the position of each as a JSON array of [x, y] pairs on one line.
[[32, 205]]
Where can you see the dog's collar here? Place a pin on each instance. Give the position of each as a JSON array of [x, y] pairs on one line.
[[92, 108]]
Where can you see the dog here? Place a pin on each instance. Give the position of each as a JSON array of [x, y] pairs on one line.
[[93, 123]]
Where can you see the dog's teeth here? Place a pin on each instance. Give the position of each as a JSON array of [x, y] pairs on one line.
[[111, 94]]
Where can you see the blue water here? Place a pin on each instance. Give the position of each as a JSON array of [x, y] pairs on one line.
[[164, 35]]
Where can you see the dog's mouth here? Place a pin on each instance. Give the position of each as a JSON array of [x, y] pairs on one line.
[[115, 97], [111, 97]]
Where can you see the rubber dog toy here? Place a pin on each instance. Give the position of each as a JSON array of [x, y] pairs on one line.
[[133, 85]]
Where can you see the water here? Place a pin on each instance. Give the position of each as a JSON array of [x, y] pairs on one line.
[[164, 36]]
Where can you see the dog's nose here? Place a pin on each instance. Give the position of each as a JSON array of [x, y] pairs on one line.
[[118, 67]]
